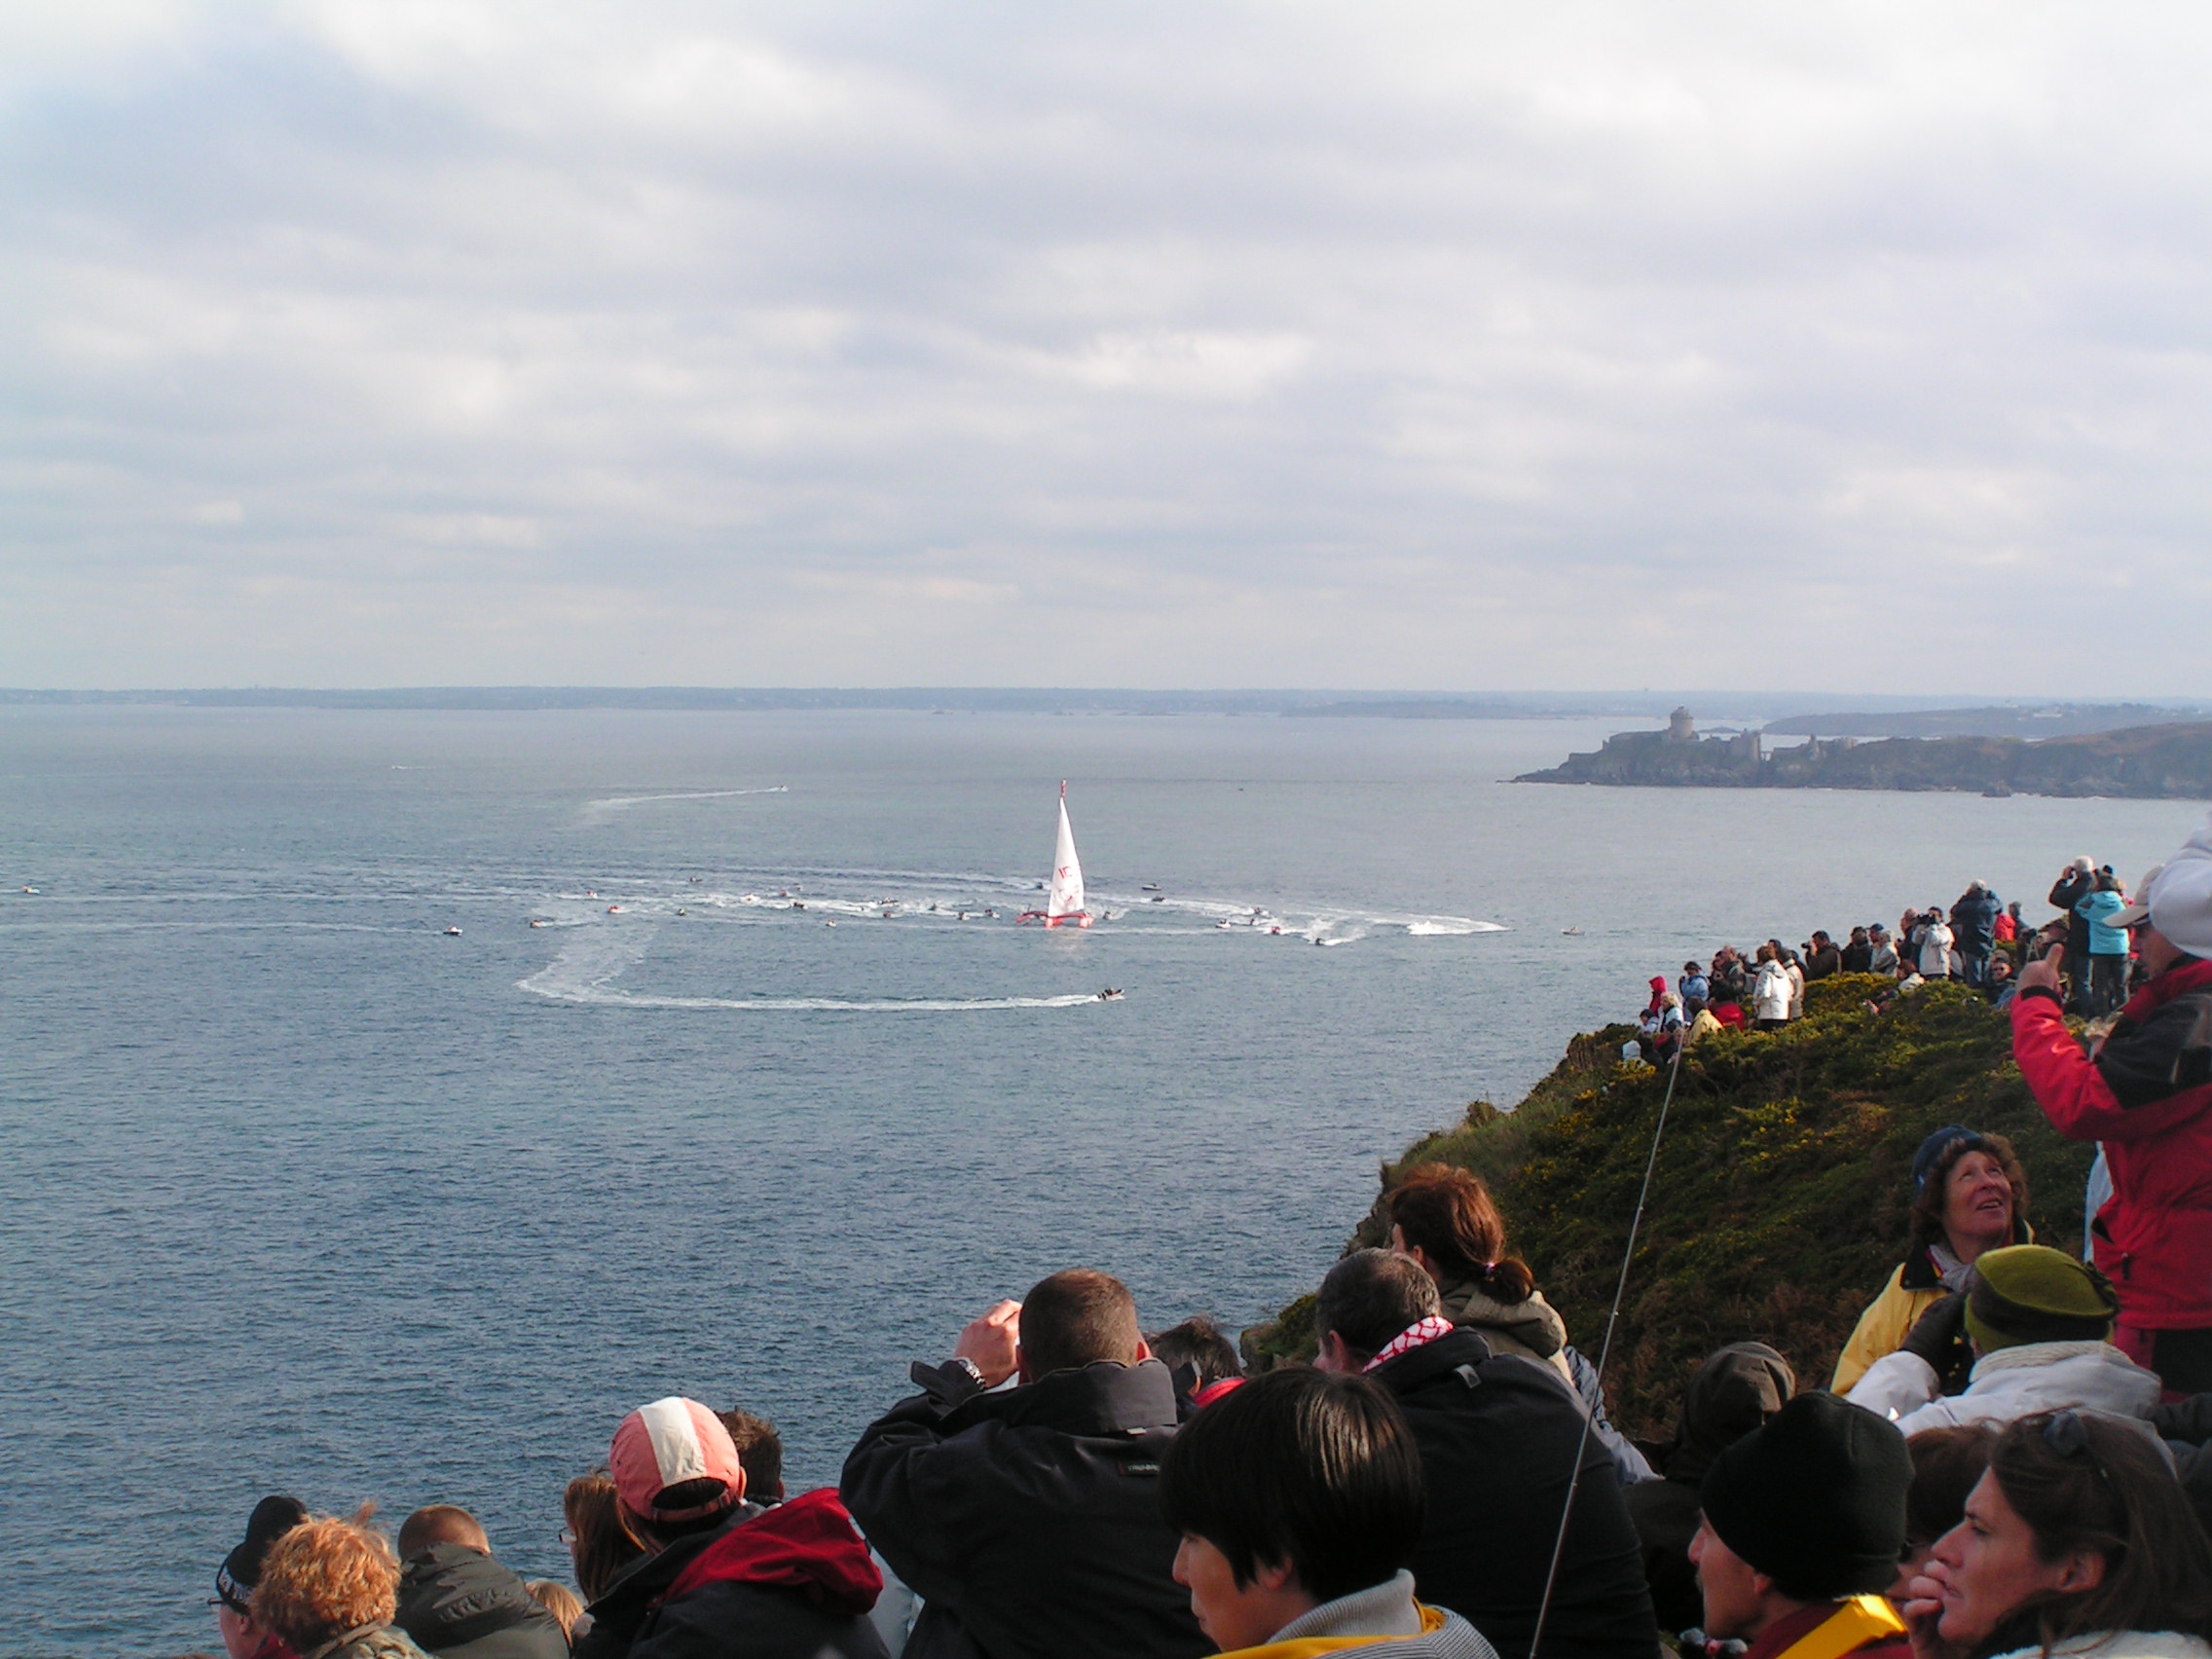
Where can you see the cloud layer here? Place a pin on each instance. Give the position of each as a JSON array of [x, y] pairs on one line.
[[357, 342]]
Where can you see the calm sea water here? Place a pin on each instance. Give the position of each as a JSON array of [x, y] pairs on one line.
[[301, 1193]]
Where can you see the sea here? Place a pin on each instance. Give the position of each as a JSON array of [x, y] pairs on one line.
[[739, 1078]]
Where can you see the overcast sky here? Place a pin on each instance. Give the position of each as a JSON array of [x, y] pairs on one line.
[[1460, 346]]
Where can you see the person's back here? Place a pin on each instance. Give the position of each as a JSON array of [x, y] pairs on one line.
[[1501, 1440], [1030, 1521], [456, 1602]]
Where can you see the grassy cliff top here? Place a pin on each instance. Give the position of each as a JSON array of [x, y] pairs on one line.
[[1781, 1199]]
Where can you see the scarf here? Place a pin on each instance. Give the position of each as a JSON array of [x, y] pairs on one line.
[[1414, 1336]]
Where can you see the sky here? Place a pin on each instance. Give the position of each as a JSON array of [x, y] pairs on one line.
[[1425, 347]]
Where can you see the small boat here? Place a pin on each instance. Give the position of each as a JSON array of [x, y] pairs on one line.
[[1570, 933], [1223, 924], [681, 911], [696, 879], [453, 933], [537, 921], [32, 891], [1150, 887], [1110, 994], [798, 903], [1278, 929], [615, 909], [829, 924], [591, 893], [1063, 901], [1158, 899]]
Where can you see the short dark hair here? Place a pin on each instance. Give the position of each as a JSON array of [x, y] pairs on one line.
[[2112, 1494], [441, 1524], [1372, 1296], [759, 1453], [1302, 1469], [1198, 1342], [1947, 1464], [1078, 1317]]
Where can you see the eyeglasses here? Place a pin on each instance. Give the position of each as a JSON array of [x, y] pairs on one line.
[[569, 1537], [2066, 1434], [238, 1607]]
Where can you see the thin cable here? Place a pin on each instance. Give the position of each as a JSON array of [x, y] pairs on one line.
[[1606, 1350]]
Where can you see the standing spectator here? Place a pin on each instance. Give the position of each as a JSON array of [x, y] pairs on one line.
[[1770, 993], [1731, 983], [2074, 883], [1824, 961], [2146, 1095], [1857, 953], [1693, 985], [460, 1603], [2009, 928], [1501, 1440], [1796, 969], [1803, 1526], [234, 1580], [1882, 951], [1936, 940], [2108, 945], [1030, 1521], [1974, 923]]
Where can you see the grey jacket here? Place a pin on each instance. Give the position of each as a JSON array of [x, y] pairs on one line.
[[1403, 1627]]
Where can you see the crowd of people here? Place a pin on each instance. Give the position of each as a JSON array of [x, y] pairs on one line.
[[2010, 1459]]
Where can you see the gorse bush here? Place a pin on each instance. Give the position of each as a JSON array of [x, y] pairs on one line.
[[1781, 1193]]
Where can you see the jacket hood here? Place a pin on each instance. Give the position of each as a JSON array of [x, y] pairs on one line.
[[1532, 1323], [809, 1544], [451, 1593], [1733, 1392]]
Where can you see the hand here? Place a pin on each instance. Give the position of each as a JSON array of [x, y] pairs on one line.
[[2041, 975], [993, 1342], [1935, 1333], [1921, 1612]]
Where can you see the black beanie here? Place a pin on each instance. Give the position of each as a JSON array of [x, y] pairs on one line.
[[1815, 1499], [240, 1572]]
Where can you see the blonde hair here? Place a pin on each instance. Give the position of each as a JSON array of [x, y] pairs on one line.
[[558, 1600], [324, 1578]]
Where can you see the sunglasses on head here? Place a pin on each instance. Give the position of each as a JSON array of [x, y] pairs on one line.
[[2067, 1434]]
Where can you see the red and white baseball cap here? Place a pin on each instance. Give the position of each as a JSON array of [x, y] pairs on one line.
[[667, 1444]]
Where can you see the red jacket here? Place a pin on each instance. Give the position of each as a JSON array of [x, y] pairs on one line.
[[2148, 1097]]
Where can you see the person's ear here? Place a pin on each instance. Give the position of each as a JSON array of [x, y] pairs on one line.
[[1335, 1354], [740, 1489], [1272, 1576], [2083, 1571], [1144, 1352], [1022, 1364]]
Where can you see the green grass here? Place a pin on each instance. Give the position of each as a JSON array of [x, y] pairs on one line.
[[1780, 1199]]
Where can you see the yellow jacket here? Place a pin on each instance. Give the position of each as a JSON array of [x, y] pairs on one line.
[[1915, 1287]]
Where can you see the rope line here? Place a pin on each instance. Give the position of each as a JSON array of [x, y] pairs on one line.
[[1606, 1350]]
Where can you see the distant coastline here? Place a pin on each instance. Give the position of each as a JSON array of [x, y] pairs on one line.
[[2170, 761]]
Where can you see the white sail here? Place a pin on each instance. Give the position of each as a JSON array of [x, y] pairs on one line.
[[1065, 900]]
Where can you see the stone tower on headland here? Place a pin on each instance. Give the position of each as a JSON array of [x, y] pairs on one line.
[[1682, 726]]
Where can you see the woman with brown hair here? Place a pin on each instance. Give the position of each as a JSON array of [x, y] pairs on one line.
[[2077, 1542], [1442, 1218], [601, 1549], [1970, 1197]]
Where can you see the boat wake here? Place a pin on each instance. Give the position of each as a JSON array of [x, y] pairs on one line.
[[624, 803]]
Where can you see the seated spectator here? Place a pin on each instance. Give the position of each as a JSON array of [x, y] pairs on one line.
[[1803, 1525], [600, 1551], [1882, 952], [1822, 961], [1969, 1196], [1947, 1464], [1857, 953], [723, 1578], [242, 1637], [1299, 1503], [2009, 928], [459, 1602], [1501, 1440], [1442, 1218], [1996, 980], [2076, 1540], [1028, 1521], [1731, 985], [1733, 1392], [761, 1451], [1198, 1355], [2041, 1322], [330, 1588], [1694, 984], [1659, 1032], [560, 1600], [1703, 1023]]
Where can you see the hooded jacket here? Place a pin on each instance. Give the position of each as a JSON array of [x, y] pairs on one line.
[[1030, 1521], [1499, 1438], [1373, 1621], [2011, 1383], [2097, 909], [1731, 1394], [791, 1582], [460, 1603], [2147, 1097], [1770, 993]]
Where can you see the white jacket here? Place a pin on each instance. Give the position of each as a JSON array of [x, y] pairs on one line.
[[2011, 1383], [2122, 1644], [1770, 992], [1936, 940]]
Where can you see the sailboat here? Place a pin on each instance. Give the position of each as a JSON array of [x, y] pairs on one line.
[[1063, 901]]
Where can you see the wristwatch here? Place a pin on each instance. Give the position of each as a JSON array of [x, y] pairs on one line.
[[964, 1363]]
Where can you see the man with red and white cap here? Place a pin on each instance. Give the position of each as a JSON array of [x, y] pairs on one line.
[[722, 1578], [2146, 1093]]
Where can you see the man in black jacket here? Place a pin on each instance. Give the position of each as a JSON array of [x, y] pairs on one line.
[[460, 1603], [1030, 1521], [2074, 883], [1500, 1438]]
